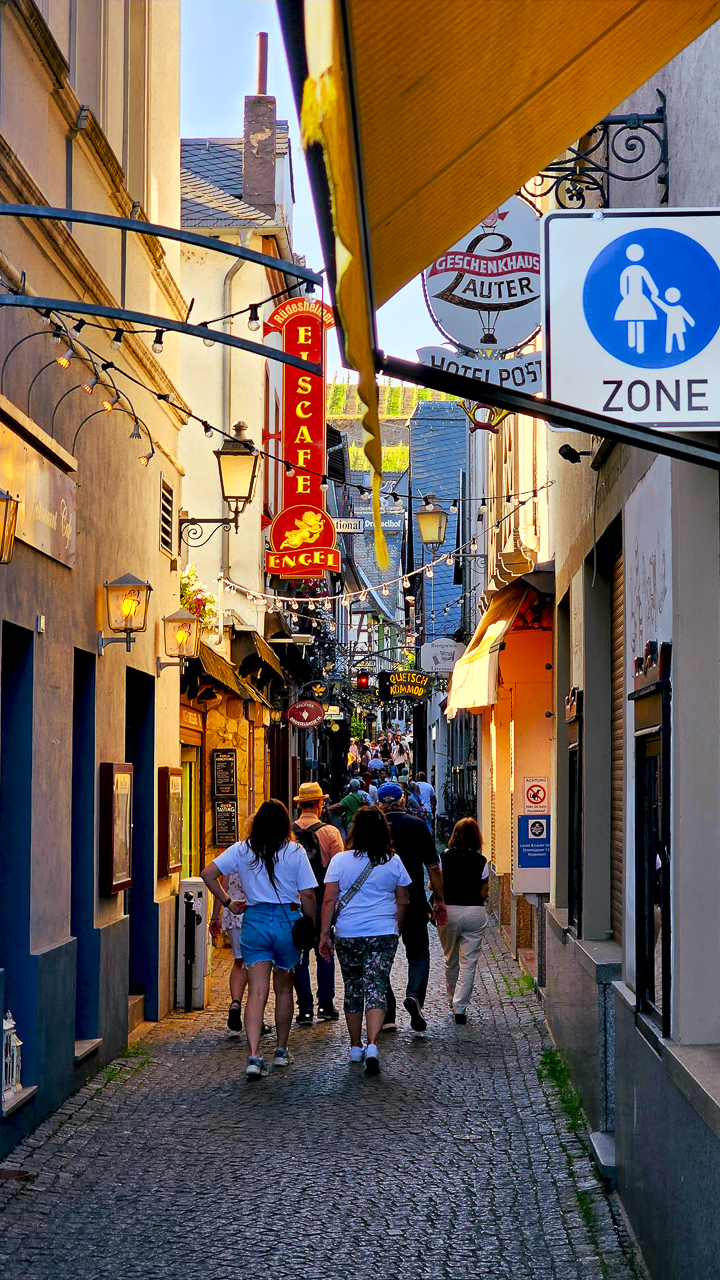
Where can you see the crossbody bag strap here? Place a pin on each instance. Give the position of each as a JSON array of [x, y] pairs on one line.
[[354, 888]]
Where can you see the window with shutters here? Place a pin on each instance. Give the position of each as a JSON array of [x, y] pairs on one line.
[[167, 507]]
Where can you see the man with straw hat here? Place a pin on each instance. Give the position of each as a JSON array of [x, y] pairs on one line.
[[321, 842]]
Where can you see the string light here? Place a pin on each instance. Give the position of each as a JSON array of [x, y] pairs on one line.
[[157, 345], [57, 334], [64, 359], [429, 572], [145, 459], [254, 317], [91, 383], [385, 591], [135, 433], [406, 582], [117, 340], [109, 405], [289, 470], [473, 545], [324, 484], [78, 327], [453, 507]]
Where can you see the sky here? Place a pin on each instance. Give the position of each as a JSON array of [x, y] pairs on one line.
[[217, 70]]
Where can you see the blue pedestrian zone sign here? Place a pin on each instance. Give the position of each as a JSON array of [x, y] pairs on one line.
[[631, 310], [533, 848]]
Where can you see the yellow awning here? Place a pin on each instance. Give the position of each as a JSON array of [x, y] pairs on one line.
[[429, 116], [474, 682]]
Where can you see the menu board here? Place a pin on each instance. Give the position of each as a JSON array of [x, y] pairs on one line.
[[224, 774], [225, 827], [116, 825], [170, 820]]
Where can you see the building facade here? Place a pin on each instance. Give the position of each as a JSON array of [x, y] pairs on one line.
[[88, 120], [634, 918]]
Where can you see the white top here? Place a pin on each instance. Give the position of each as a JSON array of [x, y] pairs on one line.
[[372, 911], [427, 792], [372, 792], [292, 873]]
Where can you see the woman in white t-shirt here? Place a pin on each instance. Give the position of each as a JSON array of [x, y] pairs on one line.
[[368, 885], [277, 880]]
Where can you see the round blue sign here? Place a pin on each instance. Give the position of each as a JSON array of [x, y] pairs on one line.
[[652, 298]]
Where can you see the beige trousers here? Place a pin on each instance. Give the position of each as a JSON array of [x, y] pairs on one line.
[[461, 940]]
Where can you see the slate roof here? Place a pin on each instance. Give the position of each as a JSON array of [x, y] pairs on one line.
[[438, 453], [211, 182]]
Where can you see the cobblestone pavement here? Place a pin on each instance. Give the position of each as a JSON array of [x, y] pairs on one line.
[[456, 1161]]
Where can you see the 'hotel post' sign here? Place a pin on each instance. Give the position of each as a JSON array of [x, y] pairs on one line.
[[302, 535]]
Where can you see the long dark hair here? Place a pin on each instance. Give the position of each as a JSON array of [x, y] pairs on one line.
[[370, 834], [466, 837], [270, 830]]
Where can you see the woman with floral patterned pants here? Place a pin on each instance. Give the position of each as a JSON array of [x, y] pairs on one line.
[[366, 894]]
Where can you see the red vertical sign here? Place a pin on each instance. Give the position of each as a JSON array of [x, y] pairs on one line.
[[302, 535]]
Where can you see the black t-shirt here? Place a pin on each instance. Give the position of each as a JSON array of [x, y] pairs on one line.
[[462, 877], [415, 847]]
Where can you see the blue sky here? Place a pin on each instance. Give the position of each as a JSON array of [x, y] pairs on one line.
[[218, 69]]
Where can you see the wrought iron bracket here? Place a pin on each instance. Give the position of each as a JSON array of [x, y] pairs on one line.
[[127, 638], [620, 148], [191, 530]]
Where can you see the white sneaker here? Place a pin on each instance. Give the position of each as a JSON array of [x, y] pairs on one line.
[[255, 1068], [372, 1060], [357, 1053]]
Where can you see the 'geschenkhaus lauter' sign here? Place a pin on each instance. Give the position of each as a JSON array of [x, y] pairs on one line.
[[631, 313], [302, 535]]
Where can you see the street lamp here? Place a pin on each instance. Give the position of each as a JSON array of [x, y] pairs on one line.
[[239, 467], [8, 524], [432, 522], [127, 601], [182, 638]]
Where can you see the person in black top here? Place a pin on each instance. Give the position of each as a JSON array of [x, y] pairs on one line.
[[465, 882], [416, 848]]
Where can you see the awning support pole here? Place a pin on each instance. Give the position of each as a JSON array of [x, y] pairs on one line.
[[559, 415]]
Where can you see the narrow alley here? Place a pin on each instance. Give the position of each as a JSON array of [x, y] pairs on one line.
[[459, 1160]]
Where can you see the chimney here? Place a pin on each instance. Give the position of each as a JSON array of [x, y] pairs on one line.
[[259, 140]]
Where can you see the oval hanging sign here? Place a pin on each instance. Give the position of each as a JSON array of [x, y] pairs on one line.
[[485, 291], [305, 714]]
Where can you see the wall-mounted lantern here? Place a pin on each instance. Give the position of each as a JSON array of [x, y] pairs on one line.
[[239, 467], [8, 524], [432, 522], [182, 638], [127, 601]]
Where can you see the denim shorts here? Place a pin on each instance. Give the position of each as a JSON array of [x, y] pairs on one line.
[[267, 935]]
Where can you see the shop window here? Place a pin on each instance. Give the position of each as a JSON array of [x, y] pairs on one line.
[[651, 699], [190, 761], [167, 505], [573, 719]]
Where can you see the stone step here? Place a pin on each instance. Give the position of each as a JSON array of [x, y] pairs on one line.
[[136, 1011]]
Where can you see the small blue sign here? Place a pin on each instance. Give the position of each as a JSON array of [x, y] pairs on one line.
[[652, 298], [533, 840]]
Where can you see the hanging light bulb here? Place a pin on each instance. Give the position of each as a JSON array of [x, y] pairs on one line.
[[208, 342], [117, 340], [294, 605], [64, 359], [429, 572], [406, 582], [157, 345], [78, 326], [473, 545], [398, 504], [363, 596], [135, 433], [57, 334], [145, 459], [333, 627], [450, 559], [109, 405], [254, 317], [362, 491], [483, 504], [45, 317], [309, 286], [454, 507], [207, 429], [324, 484], [384, 591], [91, 383], [289, 470]]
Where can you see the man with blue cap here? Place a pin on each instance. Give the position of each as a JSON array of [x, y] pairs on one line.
[[415, 846]]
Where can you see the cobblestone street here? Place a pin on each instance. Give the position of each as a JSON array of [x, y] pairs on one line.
[[457, 1161]]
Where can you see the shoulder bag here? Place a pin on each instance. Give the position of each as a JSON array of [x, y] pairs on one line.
[[349, 894]]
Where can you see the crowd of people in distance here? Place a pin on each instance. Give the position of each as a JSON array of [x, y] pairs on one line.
[[347, 881]]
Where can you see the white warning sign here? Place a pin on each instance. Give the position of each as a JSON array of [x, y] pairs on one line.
[[537, 795]]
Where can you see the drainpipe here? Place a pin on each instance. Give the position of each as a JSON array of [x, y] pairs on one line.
[[227, 376]]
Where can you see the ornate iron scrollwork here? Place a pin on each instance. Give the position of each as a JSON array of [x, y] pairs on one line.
[[192, 532], [622, 148]]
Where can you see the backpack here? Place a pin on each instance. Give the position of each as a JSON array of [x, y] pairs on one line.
[[307, 837]]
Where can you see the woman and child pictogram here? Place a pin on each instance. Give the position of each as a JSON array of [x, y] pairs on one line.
[[636, 307]]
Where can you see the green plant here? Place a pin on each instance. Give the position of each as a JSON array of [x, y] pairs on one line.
[[554, 1067]]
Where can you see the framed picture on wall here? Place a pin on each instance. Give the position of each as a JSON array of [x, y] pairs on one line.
[[170, 820], [116, 827]]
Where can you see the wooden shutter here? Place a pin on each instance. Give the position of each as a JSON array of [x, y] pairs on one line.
[[617, 748]]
